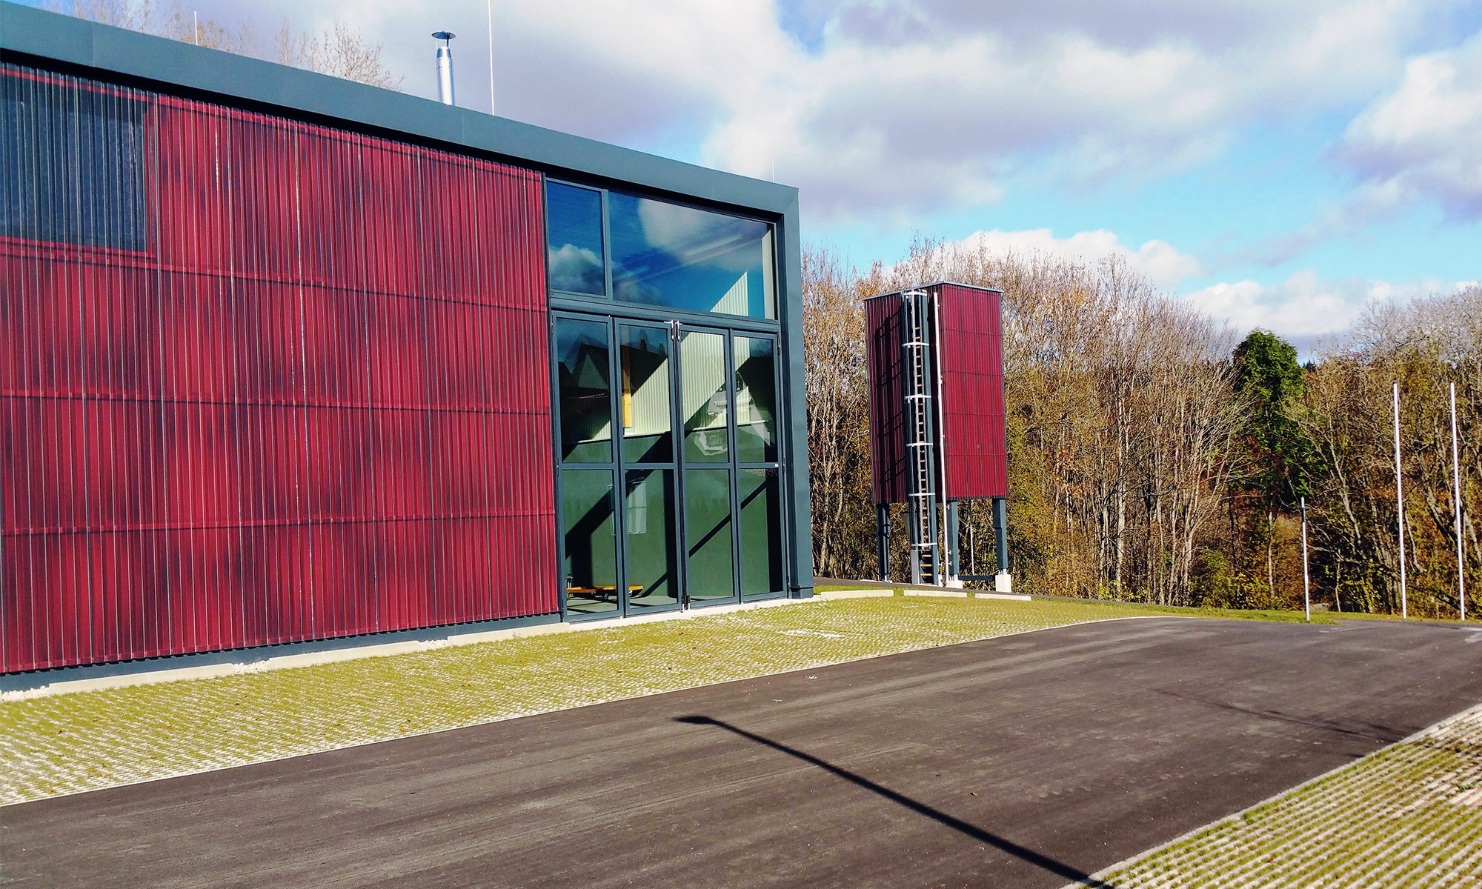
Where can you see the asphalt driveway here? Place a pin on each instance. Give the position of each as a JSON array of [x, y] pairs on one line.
[[1028, 760]]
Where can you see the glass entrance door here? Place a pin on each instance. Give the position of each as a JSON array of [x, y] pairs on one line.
[[669, 465], [709, 470], [645, 414]]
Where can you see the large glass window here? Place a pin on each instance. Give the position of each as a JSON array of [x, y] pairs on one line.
[[670, 255], [704, 398], [574, 239], [756, 400], [707, 523], [584, 391], [73, 165], [644, 409], [652, 560], [590, 541], [658, 253], [761, 531]]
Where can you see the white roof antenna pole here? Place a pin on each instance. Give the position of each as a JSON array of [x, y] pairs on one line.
[[489, 7]]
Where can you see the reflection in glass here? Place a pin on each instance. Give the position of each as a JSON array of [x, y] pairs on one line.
[[756, 396], [584, 393], [648, 428], [590, 530], [703, 398], [75, 164], [761, 532], [653, 577], [574, 239], [666, 254], [707, 528]]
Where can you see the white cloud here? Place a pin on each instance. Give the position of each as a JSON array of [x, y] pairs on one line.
[[1306, 308], [938, 104], [897, 110], [1160, 262], [1423, 138]]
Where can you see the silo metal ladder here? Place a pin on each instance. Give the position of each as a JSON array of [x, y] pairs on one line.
[[921, 495]]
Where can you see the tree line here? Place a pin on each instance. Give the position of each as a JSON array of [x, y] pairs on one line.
[[1155, 456]]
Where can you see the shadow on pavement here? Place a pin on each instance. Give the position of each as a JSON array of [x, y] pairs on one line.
[[1058, 868], [1370, 732]]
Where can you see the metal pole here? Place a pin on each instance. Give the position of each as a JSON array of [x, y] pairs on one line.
[[972, 550], [489, 4], [1306, 582], [1400, 500], [953, 534], [940, 445], [1002, 581], [882, 539], [1001, 531], [1461, 578]]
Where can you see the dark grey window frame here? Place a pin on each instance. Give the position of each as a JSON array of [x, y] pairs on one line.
[[619, 466], [608, 300]]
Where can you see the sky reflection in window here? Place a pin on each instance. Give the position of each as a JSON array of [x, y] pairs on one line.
[[574, 242], [669, 255]]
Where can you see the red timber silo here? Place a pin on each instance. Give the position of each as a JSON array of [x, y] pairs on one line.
[[937, 423]]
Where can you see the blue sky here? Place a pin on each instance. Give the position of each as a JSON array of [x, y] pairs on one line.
[[1279, 164]]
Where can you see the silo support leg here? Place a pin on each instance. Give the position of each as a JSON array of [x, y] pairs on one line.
[[882, 539], [1002, 582], [953, 536]]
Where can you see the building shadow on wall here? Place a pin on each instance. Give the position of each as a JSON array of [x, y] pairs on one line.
[[1044, 862]]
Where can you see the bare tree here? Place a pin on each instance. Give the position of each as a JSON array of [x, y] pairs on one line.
[[838, 413], [338, 50]]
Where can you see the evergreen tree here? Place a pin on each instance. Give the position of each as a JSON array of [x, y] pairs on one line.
[[1268, 376]]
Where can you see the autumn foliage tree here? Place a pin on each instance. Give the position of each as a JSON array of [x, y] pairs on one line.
[[1138, 428]]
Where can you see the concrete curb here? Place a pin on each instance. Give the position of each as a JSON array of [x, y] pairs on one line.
[[953, 594]]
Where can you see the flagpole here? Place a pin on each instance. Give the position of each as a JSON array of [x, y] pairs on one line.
[[1461, 578], [489, 8], [1306, 583], [1400, 499]]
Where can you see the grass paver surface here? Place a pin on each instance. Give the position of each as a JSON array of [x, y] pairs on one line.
[[69, 743], [1408, 815]]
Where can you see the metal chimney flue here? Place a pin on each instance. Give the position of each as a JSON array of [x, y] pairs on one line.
[[445, 67]]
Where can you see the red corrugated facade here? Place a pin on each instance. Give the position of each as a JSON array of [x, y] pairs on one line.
[[970, 351], [887, 410], [296, 395], [970, 348]]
